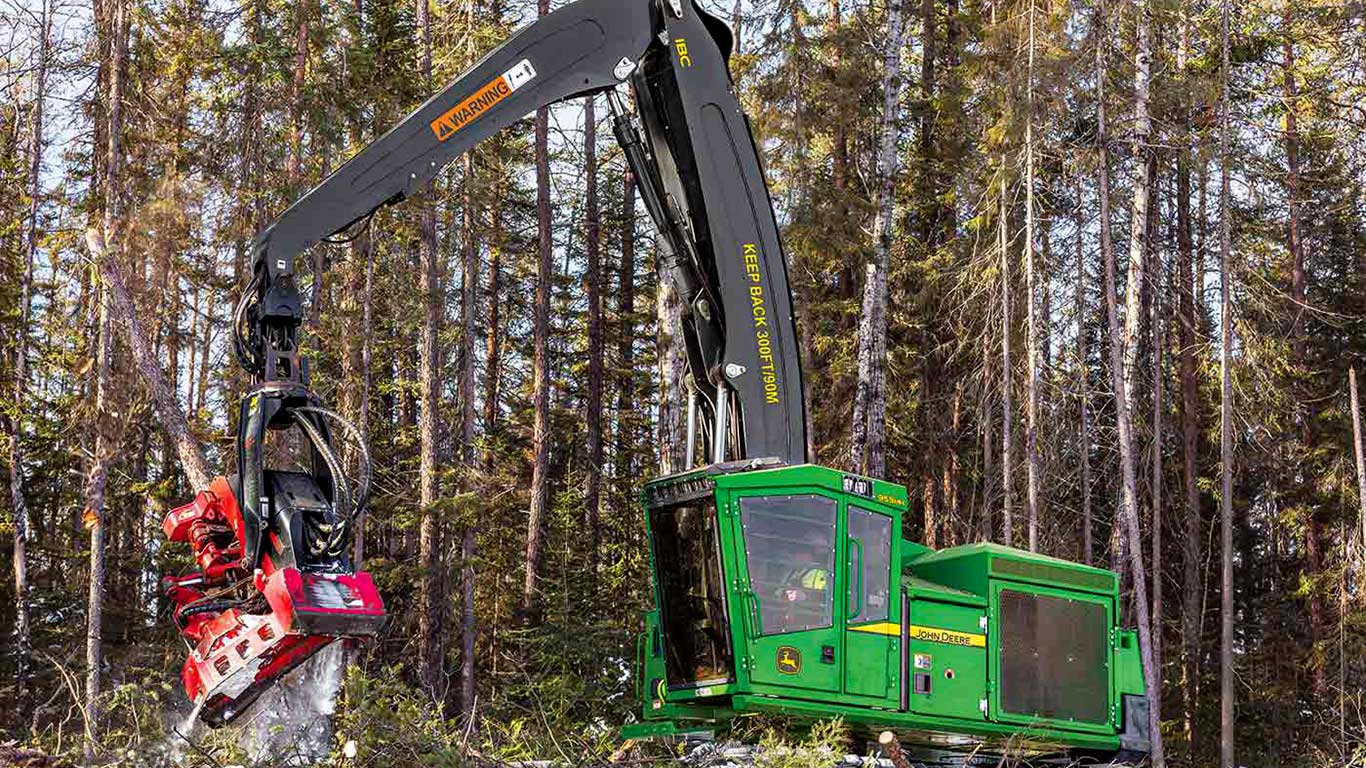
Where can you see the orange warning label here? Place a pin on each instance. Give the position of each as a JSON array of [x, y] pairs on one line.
[[470, 109]]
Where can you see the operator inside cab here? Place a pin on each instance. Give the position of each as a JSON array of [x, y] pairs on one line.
[[805, 589]]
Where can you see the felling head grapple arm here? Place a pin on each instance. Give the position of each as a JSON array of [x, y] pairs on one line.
[[275, 582]]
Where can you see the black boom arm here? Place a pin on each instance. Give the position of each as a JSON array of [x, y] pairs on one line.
[[700, 178]]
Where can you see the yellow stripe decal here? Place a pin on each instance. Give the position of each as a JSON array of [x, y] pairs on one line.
[[928, 634], [884, 628]]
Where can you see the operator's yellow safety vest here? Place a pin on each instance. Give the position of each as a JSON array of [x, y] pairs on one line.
[[815, 578]]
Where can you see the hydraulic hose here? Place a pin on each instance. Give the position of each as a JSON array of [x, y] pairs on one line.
[[339, 516], [351, 505]]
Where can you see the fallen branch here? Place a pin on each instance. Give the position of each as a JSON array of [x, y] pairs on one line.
[[164, 401]]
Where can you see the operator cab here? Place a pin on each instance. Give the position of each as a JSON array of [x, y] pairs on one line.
[[773, 578]]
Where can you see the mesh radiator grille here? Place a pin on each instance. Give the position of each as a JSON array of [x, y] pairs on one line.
[[1054, 657]]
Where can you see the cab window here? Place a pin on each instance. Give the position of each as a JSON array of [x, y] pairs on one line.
[[870, 561], [790, 549]]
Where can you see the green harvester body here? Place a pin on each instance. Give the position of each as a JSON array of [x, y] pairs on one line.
[[789, 590]]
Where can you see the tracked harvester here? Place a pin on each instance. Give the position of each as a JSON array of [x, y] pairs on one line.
[[780, 586]]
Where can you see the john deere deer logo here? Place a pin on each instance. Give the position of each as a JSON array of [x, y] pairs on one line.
[[789, 660]]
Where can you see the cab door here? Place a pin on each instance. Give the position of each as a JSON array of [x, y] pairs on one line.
[[872, 607], [791, 545]]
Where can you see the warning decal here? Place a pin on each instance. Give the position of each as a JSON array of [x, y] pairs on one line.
[[496, 90]]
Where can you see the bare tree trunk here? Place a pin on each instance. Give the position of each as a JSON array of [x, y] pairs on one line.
[[493, 336], [1142, 200], [1226, 747], [870, 397], [1128, 518], [930, 207], [194, 351], [469, 304], [839, 152], [469, 626], [669, 351], [592, 495], [363, 246], [1313, 530], [1158, 324], [1031, 309], [950, 481], [1084, 393], [431, 635], [23, 642], [1007, 427], [196, 406], [94, 519], [540, 472], [296, 96], [1190, 545], [988, 438], [626, 298], [94, 516], [736, 20], [1356, 449]]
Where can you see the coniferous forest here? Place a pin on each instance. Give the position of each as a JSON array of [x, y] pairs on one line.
[[1089, 278]]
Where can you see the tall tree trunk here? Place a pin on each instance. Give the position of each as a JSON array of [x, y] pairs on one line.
[[672, 387], [626, 333], [1158, 325], [363, 247], [469, 627], [870, 397], [950, 479], [1313, 529], [540, 471], [296, 105], [431, 635], [23, 643], [1191, 591], [94, 519], [1007, 427], [1139, 236], [1357, 449], [1084, 392], [840, 149], [493, 334], [1118, 351], [736, 21], [116, 31], [196, 406], [1031, 309], [1226, 747], [469, 305], [592, 493], [929, 193]]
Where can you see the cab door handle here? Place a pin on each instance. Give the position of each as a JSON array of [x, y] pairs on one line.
[[855, 570], [751, 613]]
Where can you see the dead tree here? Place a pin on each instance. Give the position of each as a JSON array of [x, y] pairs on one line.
[[870, 396]]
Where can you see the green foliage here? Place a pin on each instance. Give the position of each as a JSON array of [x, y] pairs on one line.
[[825, 744]]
